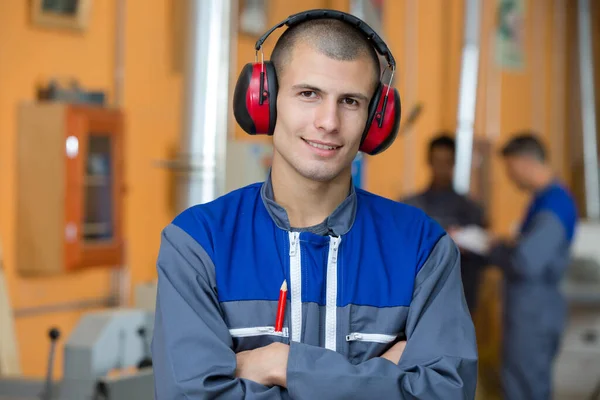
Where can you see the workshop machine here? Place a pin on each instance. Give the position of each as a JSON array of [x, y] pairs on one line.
[[577, 367], [106, 357]]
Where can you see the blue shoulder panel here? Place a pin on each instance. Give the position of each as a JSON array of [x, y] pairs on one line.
[[231, 229], [559, 201], [384, 251]]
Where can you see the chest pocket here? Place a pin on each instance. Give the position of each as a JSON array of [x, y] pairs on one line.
[[251, 324], [249, 338], [372, 331]]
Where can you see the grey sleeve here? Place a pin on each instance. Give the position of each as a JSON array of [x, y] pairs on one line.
[[440, 358], [191, 348], [535, 250]]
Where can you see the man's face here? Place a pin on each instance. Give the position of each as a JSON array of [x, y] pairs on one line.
[[322, 108], [517, 168], [442, 166]]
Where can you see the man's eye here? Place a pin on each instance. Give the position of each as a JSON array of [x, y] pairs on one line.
[[350, 102], [308, 94]]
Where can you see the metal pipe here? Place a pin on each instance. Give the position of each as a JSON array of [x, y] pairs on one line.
[[367, 11], [588, 112], [357, 8], [206, 101], [467, 98]]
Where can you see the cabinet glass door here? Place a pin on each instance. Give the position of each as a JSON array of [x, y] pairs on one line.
[[98, 189]]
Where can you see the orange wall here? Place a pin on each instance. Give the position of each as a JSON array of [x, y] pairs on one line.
[[427, 42], [152, 102], [37, 55], [535, 98], [425, 39]]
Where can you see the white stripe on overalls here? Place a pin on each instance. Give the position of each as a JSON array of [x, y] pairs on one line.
[[331, 295], [296, 285]]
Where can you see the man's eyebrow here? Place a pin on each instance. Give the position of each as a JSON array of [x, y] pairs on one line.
[[306, 86]]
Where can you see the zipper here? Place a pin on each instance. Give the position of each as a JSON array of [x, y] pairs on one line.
[[331, 295], [257, 331], [370, 337], [296, 286]]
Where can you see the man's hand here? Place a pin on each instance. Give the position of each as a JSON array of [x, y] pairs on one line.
[[452, 229], [265, 365], [395, 352]]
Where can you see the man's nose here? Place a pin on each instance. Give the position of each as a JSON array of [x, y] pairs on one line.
[[327, 116]]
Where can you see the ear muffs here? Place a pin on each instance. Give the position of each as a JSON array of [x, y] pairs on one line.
[[383, 120], [257, 115], [255, 98]]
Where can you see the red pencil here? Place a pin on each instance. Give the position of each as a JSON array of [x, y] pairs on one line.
[[281, 307]]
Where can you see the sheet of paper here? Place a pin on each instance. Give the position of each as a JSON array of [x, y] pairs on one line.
[[472, 238]]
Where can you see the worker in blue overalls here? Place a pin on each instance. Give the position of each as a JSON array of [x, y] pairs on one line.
[[534, 264], [304, 286]]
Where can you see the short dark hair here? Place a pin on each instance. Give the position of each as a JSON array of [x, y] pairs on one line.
[[525, 143], [442, 140], [334, 38]]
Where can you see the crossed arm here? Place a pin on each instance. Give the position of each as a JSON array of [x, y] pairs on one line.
[[268, 365], [193, 356]]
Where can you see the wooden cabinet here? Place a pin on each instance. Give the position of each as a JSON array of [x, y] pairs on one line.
[[70, 188]]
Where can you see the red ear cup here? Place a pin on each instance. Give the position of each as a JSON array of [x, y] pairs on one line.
[[383, 121], [255, 98]]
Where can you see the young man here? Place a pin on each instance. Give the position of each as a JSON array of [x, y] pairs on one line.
[[375, 304], [533, 265], [450, 209]]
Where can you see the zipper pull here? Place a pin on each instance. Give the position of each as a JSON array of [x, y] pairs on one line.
[[266, 329], [285, 332], [334, 249], [353, 336], [293, 243]]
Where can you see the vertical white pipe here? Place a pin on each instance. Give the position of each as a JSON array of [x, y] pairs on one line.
[[588, 111], [467, 97], [206, 113]]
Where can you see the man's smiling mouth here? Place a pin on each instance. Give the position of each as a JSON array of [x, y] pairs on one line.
[[321, 145]]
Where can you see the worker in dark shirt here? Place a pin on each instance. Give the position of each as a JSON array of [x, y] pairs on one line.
[[451, 209]]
